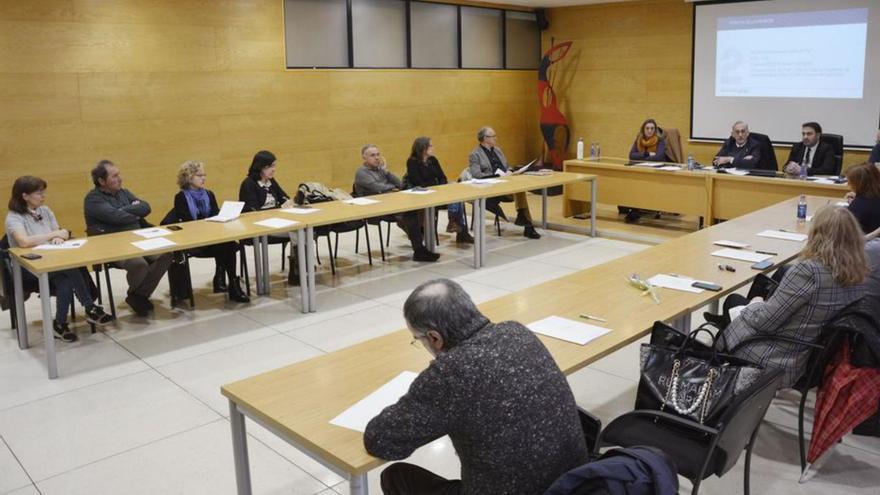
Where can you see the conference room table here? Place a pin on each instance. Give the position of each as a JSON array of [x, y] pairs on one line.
[[118, 246], [297, 402], [704, 192]]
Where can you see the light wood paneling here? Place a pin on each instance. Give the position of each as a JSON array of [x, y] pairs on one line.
[[152, 84]]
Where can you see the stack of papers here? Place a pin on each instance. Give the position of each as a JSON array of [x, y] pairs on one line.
[[736, 171], [649, 164], [299, 210], [671, 168], [150, 244], [357, 416], [276, 223], [151, 232], [674, 282], [485, 181], [785, 236], [737, 254], [732, 244], [823, 181], [418, 191], [71, 244], [360, 201], [568, 330]]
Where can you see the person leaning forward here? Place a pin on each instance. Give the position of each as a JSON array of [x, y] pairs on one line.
[[110, 208], [493, 388]]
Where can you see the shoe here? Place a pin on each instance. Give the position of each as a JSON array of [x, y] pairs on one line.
[[464, 238], [522, 218], [63, 332], [235, 292], [97, 316], [718, 320], [219, 283], [139, 304], [425, 255], [530, 232]]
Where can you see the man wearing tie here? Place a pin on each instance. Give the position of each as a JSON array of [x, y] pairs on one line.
[[817, 156]]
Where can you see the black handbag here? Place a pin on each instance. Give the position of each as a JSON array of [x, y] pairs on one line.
[[690, 379]]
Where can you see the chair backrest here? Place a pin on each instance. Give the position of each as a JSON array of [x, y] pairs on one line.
[[768, 156], [836, 142], [740, 420]]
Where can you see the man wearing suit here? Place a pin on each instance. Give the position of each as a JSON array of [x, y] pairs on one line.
[[741, 151], [811, 152], [487, 160]]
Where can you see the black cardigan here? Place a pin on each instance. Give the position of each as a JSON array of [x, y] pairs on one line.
[[424, 174], [867, 212], [181, 207], [254, 196]]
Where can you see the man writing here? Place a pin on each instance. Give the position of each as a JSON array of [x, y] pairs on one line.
[[493, 388]]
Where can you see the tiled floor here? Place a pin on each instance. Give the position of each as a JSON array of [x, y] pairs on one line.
[[137, 408]]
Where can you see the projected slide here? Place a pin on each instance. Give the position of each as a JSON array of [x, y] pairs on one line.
[[818, 54]]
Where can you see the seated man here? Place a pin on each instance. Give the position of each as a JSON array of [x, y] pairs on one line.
[[374, 178], [487, 160], [493, 388], [811, 152], [110, 208], [742, 151], [874, 157]]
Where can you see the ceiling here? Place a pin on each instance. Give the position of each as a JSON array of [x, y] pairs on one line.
[[551, 3]]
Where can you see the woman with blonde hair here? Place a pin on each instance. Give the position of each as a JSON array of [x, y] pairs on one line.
[[827, 277], [195, 202]]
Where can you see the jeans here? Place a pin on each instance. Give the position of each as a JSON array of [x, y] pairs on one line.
[[67, 284]]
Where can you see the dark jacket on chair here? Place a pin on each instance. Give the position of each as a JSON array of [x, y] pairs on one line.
[[822, 164], [254, 196], [639, 470]]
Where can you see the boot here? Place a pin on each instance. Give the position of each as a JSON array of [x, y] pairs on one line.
[[219, 280], [425, 255], [454, 226], [464, 238], [523, 219], [530, 232], [235, 292]]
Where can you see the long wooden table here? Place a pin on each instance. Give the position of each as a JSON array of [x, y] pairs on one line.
[[118, 246], [704, 193], [297, 402]]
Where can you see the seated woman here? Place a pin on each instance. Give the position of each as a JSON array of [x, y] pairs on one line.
[[826, 278], [864, 199], [29, 223], [423, 170], [194, 202], [649, 145]]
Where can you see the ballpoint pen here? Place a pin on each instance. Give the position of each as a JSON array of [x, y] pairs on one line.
[[591, 317], [766, 252]]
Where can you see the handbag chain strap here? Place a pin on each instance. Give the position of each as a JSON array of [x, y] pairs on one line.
[[701, 400]]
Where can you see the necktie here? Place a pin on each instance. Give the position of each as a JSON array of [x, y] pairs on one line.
[[807, 158]]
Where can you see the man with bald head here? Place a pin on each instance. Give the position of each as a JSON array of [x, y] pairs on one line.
[[740, 151], [493, 388]]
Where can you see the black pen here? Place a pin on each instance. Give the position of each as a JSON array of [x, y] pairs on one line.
[[766, 252]]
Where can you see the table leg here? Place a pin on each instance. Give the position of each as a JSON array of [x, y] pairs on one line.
[[303, 274], [240, 450], [428, 225], [357, 484], [713, 306], [593, 206], [682, 323], [267, 286], [310, 266], [258, 265], [48, 331], [544, 208], [478, 234], [20, 317], [482, 216]]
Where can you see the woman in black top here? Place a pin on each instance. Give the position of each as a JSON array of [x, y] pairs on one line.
[[195, 202], [259, 190], [423, 170], [864, 200]]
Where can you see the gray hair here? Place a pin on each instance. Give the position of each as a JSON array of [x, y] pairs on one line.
[[738, 122], [443, 306], [367, 146], [481, 134]]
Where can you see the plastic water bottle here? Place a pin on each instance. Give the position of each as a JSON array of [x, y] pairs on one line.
[[598, 150], [803, 174], [580, 149], [691, 161], [592, 150], [802, 209]]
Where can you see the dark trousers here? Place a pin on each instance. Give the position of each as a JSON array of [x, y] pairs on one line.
[[144, 272], [402, 478], [223, 254], [410, 224], [67, 284]]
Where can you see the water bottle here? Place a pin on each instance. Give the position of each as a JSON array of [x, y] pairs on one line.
[[580, 149], [802, 209], [598, 150], [803, 174], [592, 150], [691, 162]]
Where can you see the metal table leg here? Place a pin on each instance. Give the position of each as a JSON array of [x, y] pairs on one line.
[[357, 484], [481, 214], [240, 450], [593, 206], [258, 265], [20, 317], [48, 331], [682, 323], [310, 266], [544, 208], [267, 286], [428, 225], [303, 275]]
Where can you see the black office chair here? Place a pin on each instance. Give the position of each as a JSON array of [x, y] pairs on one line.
[[836, 142], [768, 156], [700, 451]]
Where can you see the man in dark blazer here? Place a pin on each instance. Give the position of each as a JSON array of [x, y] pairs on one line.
[[741, 151], [811, 152]]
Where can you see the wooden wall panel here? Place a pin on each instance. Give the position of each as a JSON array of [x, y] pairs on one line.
[[152, 84]]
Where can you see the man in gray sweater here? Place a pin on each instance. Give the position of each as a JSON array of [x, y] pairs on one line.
[[110, 208], [374, 178], [493, 388]]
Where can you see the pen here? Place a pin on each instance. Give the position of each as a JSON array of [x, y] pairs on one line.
[[726, 267], [766, 252], [783, 230], [591, 317]]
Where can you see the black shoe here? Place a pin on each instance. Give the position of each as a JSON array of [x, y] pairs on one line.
[[219, 283], [530, 232], [97, 316], [139, 304], [522, 219], [718, 320], [63, 332], [235, 292], [425, 255], [464, 238]]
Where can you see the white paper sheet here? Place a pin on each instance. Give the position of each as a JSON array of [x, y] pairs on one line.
[[418, 191], [357, 416], [71, 244], [299, 210], [568, 330], [276, 223], [486, 181], [158, 242], [671, 168], [228, 212], [736, 171], [674, 283], [841, 204], [151, 232], [649, 164], [737, 254], [823, 181], [785, 236], [360, 201], [732, 244]]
